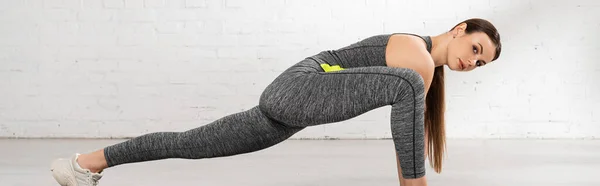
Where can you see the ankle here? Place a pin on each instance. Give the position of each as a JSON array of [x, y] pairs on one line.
[[85, 162]]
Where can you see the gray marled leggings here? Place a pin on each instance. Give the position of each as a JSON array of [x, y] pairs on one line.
[[304, 95]]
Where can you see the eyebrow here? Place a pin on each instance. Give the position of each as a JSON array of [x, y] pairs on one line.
[[482, 52]]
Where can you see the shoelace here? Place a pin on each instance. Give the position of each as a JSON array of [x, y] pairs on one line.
[[93, 180]]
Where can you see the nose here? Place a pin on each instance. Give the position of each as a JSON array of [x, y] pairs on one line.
[[471, 62]]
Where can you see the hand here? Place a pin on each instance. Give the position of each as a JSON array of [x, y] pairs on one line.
[[415, 182]]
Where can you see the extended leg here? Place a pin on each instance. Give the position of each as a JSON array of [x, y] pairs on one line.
[[238, 133]]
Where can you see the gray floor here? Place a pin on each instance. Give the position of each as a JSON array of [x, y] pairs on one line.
[[328, 162]]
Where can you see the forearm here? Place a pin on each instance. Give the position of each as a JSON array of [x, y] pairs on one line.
[[408, 136], [400, 177], [422, 181]]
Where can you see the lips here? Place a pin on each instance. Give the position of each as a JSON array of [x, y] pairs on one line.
[[462, 65]]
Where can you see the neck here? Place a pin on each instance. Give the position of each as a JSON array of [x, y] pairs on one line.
[[439, 47]]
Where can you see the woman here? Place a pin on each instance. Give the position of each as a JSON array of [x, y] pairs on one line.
[[402, 70]]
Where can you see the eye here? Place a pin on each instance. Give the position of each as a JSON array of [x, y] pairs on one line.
[[475, 50], [480, 63]]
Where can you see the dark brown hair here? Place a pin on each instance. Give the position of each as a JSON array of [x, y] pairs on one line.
[[435, 100]]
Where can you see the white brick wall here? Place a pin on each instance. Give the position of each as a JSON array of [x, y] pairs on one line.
[[121, 68]]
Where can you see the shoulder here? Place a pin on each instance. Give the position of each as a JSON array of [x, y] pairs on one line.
[[409, 51], [409, 48]]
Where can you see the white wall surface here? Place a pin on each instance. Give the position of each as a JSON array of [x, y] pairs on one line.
[[122, 68]]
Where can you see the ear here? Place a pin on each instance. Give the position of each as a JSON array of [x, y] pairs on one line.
[[459, 30]]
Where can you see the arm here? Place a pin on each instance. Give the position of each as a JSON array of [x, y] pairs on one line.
[[411, 53], [420, 181], [410, 182], [407, 123]]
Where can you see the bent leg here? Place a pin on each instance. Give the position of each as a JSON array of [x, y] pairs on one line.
[[304, 98]]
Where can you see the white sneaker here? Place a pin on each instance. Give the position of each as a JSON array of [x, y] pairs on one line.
[[67, 172]]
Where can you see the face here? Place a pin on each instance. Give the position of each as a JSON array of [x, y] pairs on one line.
[[469, 51]]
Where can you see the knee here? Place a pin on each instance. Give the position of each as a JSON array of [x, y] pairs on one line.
[[414, 84], [414, 79]]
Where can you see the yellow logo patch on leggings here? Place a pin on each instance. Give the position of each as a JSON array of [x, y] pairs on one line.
[[328, 68]]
